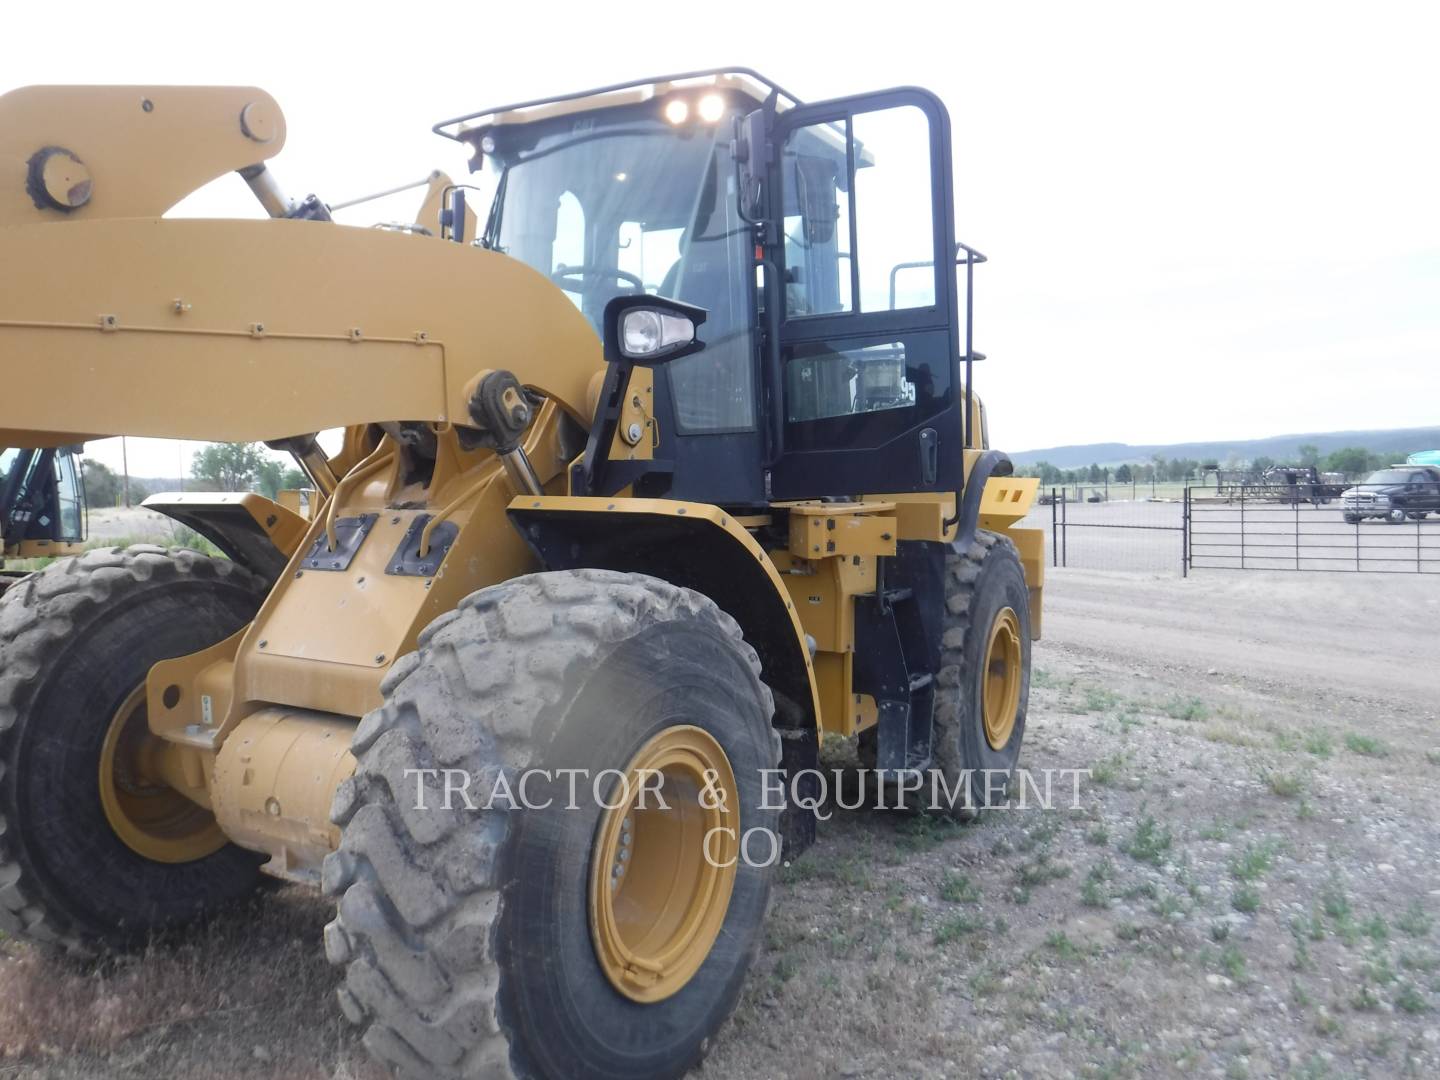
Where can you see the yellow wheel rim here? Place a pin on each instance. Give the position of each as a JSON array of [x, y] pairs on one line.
[[150, 817], [661, 879], [1002, 677]]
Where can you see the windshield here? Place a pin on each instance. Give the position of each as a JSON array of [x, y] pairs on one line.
[[623, 207], [1388, 476]]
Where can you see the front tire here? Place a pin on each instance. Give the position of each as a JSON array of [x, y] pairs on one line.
[[471, 938], [92, 853], [1396, 516]]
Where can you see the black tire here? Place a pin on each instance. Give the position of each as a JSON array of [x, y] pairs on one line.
[[76, 640], [979, 585], [464, 934], [1396, 516], [1352, 519]]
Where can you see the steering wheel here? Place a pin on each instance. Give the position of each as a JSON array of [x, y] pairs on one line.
[[580, 278]]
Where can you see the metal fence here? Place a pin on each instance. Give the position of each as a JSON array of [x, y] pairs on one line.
[[1099, 533], [1199, 529], [1372, 529]]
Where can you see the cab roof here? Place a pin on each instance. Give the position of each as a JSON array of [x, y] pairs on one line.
[[740, 80]]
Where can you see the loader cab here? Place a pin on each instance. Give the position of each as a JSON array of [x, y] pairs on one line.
[[818, 240], [41, 496]]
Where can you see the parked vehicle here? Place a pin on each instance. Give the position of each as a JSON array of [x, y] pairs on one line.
[[1397, 494]]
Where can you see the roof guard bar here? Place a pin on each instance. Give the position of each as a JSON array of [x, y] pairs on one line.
[[458, 136]]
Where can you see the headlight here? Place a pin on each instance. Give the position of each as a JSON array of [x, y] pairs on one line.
[[648, 331], [711, 108], [1379, 498]]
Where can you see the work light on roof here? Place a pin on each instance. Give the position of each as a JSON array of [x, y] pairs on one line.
[[711, 108]]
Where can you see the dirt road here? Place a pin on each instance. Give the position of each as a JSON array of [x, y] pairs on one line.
[[1249, 887]]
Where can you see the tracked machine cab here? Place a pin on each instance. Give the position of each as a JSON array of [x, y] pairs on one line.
[[657, 468]]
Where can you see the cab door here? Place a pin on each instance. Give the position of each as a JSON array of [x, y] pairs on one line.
[[865, 343]]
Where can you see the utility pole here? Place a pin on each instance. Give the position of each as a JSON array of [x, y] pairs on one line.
[[125, 471]]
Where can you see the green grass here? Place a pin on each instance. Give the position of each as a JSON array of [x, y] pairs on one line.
[[1246, 899], [958, 889], [1108, 770], [1409, 999], [1312, 928], [1095, 891], [1168, 904], [1058, 942], [1149, 843], [956, 927], [1041, 870], [1365, 999], [1334, 902], [924, 833], [1098, 699], [1186, 709], [1415, 922], [1283, 782], [1255, 861], [1378, 970], [1319, 744], [1098, 835], [1232, 962], [1419, 961], [1365, 745]]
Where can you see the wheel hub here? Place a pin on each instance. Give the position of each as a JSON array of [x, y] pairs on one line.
[[661, 876], [150, 817], [1003, 673]]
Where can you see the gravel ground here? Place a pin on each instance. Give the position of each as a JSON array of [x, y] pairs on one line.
[[1248, 888]]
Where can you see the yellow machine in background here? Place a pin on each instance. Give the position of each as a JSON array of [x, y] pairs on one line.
[[42, 506], [664, 469]]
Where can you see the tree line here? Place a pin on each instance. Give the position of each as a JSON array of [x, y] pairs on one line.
[[1350, 461], [217, 467]]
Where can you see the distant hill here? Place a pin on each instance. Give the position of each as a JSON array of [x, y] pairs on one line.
[[1398, 441]]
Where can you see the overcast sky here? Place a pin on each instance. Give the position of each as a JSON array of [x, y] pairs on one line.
[[1204, 221]]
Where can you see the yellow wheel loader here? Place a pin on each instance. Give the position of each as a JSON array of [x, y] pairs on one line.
[[666, 468], [42, 507]]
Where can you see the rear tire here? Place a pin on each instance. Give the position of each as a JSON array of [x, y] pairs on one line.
[[468, 935], [76, 643]]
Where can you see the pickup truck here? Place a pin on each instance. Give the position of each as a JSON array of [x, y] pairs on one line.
[[1396, 494]]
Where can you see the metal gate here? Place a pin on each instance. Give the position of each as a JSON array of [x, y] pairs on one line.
[[1247, 532]]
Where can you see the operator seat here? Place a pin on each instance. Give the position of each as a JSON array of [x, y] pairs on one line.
[[712, 385]]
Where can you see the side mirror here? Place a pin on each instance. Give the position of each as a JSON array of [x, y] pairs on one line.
[[749, 149], [649, 330]]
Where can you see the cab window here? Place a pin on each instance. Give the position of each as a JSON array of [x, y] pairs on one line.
[[859, 220]]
